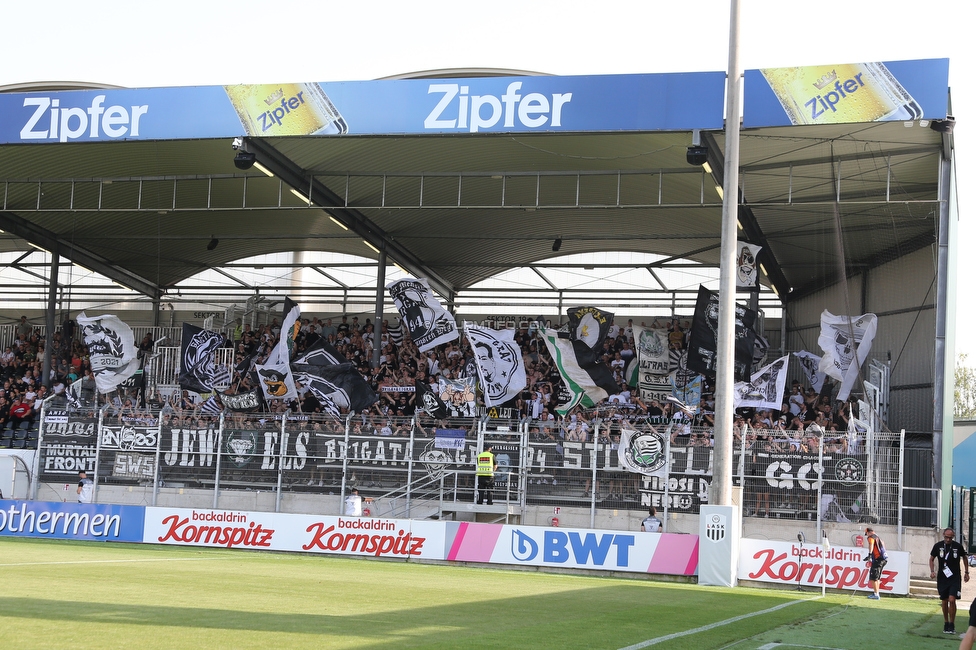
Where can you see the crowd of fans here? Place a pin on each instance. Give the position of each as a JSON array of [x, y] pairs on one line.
[[805, 420]]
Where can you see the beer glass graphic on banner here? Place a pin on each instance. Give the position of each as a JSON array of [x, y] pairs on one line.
[[286, 109], [834, 94]]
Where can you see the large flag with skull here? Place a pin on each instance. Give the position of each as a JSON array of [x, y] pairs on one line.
[[427, 321], [498, 358], [275, 373], [111, 349], [845, 342], [746, 267]]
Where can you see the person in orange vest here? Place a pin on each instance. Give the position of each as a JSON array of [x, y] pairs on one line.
[[485, 475], [878, 558]]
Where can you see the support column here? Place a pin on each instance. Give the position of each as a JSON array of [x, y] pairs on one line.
[[720, 522], [721, 489], [944, 363], [378, 312], [49, 313]]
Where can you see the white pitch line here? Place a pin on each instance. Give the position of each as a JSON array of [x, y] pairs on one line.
[[771, 646], [710, 626], [159, 559]]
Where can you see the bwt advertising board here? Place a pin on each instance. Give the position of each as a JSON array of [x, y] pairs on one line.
[[59, 520], [611, 550], [645, 102], [790, 563]]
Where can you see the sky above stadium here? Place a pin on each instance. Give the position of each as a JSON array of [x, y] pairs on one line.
[[210, 42]]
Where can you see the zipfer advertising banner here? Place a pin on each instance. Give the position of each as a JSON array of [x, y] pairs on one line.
[[791, 563], [641, 102], [897, 91], [62, 520]]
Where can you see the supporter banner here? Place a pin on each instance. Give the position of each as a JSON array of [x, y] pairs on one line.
[[498, 361], [60, 520], [897, 91], [242, 401], [398, 389], [111, 348], [67, 447], [378, 537], [765, 389], [458, 396], [650, 369], [429, 401], [610, 550], [790, 563], [636, 102], [427, 321]]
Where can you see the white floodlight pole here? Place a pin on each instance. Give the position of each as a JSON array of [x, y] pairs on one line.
[[721, 491]]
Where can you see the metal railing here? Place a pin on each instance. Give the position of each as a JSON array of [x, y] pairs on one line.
[[419, 467]]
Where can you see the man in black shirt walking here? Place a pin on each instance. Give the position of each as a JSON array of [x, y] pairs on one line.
[[952, 561]]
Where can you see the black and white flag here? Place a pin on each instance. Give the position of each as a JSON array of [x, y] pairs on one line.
[[765, 389], [746, 266], [429, 401], [587, 379], [427, 321], [703, 345], [275, 373], [845, 342], [211, 406], [811, 368], [198, 372], [321, 353], [498, 359], [111, 349], [396, 334], [341, 384], [589, 326], [242, 401]]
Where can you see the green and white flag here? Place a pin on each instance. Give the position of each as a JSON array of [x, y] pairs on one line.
[[589, 381]]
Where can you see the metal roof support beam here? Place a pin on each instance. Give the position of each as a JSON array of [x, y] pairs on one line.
[[34, 234], [332, 203]]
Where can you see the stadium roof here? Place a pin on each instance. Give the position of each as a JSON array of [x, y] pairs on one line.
[[460, 207]]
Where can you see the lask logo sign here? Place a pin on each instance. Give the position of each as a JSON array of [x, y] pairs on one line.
[[573, 548], [715, 528]]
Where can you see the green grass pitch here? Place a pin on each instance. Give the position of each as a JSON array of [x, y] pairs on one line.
[[56, 594]]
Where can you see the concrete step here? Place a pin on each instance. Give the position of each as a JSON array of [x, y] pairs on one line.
[[923, 588]]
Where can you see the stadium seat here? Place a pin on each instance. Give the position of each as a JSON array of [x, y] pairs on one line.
[[20, 444], [20, 434]]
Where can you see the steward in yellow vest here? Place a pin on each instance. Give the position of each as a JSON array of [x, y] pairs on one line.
[[485, 474]]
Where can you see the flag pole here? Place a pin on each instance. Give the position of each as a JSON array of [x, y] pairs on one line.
[[721, 488]]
